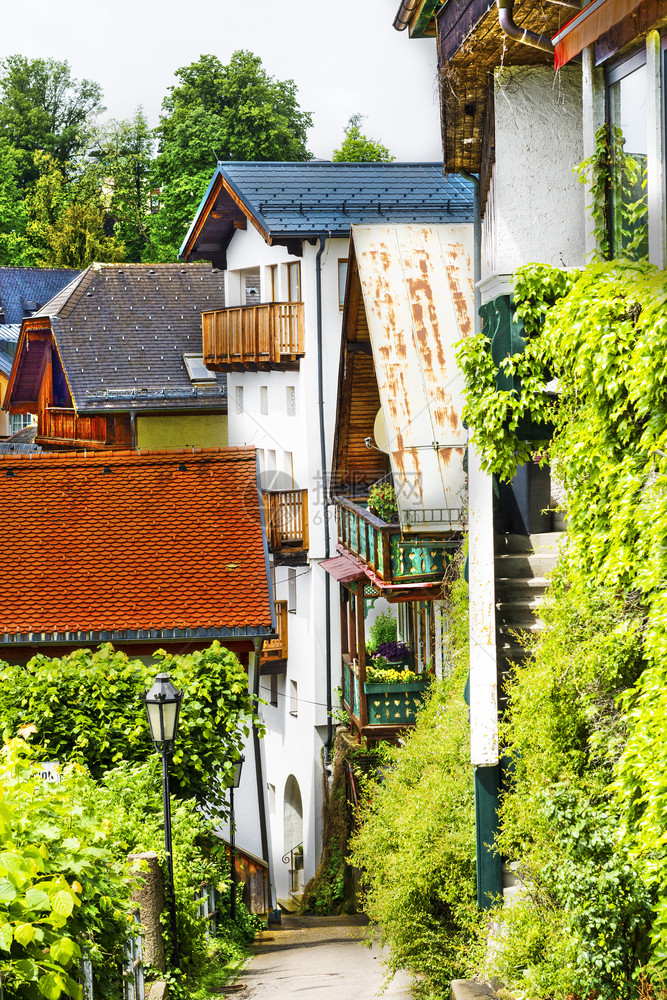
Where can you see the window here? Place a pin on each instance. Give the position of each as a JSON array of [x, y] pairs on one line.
[[290, 401], [239, 398], [273, 282], [293, 698], [273, 697], [264, 399], [270, 460], [627, 105], [21, 420], [291, 591], [294, 282], [288, 466], [196, 369], [342, 278]]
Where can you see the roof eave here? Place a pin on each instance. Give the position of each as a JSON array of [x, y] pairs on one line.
[[138, 635]]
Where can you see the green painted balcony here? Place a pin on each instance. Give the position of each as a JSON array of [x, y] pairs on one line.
[[380, 711], [392, 558]]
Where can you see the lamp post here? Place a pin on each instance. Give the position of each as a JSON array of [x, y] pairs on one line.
[[163, 704], [235, 784]]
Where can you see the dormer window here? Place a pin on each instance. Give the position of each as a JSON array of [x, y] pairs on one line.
[[197, 371]]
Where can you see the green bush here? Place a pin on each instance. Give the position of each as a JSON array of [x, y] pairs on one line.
[[416, 845], [383, 629], [61, 883], [87, 706]]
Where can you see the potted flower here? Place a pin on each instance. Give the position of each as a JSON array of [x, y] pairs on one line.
[[382, 502], [395, 653]]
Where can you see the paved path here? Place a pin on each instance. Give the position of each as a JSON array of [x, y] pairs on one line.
[[317, 958]]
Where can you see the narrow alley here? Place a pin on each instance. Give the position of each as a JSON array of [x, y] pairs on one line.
[[318, 956]]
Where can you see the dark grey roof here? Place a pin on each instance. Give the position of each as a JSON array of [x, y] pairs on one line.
[[21, 443], [24, 289], [296, 200], [122, 330], [6, 362]]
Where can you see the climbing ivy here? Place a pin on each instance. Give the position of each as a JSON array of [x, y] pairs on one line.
[[584, 815]]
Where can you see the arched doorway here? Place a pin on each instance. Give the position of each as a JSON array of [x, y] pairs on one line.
[[293, 833]]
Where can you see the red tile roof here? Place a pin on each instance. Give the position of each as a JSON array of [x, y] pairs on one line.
[[131, 541]]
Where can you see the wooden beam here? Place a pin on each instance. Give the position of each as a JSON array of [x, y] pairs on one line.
[[457, 20], [647, 16], [361, 653]]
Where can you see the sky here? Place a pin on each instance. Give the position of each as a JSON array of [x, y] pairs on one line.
[[344, 56]]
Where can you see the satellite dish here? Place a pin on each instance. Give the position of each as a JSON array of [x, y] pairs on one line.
[[380, 433]]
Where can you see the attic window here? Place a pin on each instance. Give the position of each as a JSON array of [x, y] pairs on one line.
[[196, 369]]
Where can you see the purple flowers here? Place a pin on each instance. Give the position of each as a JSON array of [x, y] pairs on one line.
[[393, 651]]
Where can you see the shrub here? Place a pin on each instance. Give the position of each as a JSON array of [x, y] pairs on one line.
[[61, 883], [416, 845], [60, 696], [383, 629], [393, 651]]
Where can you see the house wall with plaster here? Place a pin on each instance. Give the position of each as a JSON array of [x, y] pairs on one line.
[[277, 412]]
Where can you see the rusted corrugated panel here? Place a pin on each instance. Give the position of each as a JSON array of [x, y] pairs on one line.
[[418, 296]]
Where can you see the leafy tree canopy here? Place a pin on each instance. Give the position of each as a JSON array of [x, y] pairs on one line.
[[358, 148], [220, 112], [42, 107], [123, 158]]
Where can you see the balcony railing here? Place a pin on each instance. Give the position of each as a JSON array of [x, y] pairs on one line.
[[391, 558], [276, 649], [65, 427], [286, 520], [379, 710], [250, 338]]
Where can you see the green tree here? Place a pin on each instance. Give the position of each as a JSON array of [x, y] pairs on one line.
[[358, 148], [42, 107], [124, 160], [15, 248], [219, 112], [66, 224]]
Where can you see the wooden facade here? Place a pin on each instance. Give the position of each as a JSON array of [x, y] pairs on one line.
[[254, 338], [286, 520], [274, 651], [61, 427], [356, 466]]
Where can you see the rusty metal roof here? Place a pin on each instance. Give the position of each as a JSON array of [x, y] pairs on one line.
[[417, 289]]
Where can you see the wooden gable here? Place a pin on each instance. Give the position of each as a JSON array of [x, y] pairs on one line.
[[355, 466]]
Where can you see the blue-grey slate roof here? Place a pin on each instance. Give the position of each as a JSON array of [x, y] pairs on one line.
[[23, 290], [298, 200]]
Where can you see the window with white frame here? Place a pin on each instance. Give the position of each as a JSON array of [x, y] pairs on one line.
[[291, 591], [264, 400], [293, 698], [238, 396], [294, 282], [627, 101], [290, 400]]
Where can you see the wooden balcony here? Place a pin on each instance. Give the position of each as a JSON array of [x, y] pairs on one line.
[[286, 523], [391, 558], [62, 427], [274, 652], [379, 711], [254, 338]]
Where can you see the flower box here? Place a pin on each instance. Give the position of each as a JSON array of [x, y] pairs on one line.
[[392, 704]]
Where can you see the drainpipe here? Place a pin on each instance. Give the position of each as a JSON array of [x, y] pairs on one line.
[[259, 777], [477, 241], [522, 35], [325, 496]]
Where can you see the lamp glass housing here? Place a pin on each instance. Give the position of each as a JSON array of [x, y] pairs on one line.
[[237, 771], [163, 703]]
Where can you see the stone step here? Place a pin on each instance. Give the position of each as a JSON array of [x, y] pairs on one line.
[[519, 614], [292, 904], [525, 565], [516, 588], [549, 541]]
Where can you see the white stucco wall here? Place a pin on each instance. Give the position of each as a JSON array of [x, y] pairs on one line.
[[293, 742], [536, 206]]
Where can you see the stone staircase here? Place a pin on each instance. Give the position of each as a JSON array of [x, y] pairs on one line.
[[523, 564]]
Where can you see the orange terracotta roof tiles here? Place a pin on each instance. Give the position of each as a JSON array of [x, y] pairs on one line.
[[132, 541]]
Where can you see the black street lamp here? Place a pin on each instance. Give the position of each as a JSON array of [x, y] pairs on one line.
[[235, 784], [163, 704]]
